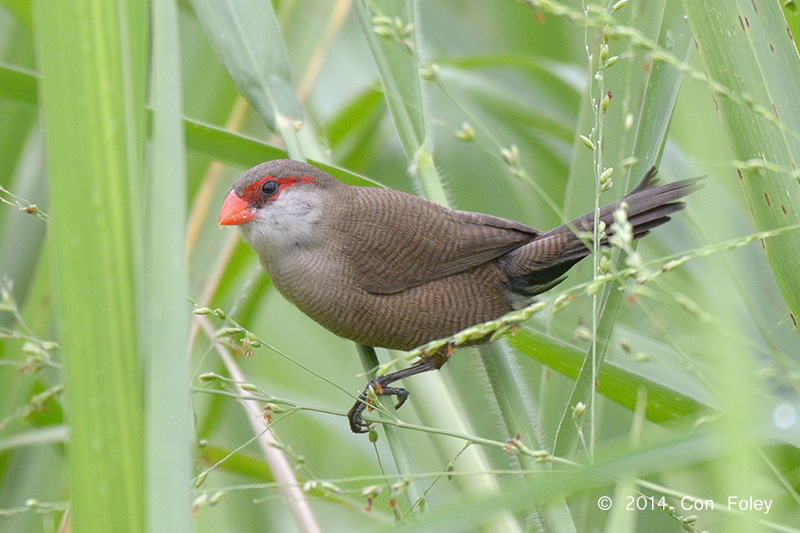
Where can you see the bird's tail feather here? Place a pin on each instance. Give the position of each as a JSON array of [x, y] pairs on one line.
[[542, 263]]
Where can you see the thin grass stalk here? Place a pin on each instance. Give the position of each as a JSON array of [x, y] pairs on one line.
[[599, 105], [655, 112], [398, 444], [394, 55], [279, 465]]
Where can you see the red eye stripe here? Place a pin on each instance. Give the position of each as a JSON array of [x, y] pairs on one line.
[[291, 181], [252, 192]]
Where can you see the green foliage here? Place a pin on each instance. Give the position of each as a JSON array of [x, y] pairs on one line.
[[94, 196], [761, 120], [512, 108]]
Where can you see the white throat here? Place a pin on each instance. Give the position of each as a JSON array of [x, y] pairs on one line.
[[287, 224]]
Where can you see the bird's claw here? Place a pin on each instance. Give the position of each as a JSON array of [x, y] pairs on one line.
[[357, 424]]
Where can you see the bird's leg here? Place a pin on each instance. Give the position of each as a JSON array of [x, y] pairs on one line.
[[381, 387]]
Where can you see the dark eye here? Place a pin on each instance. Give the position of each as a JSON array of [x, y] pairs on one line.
[[269, 187]]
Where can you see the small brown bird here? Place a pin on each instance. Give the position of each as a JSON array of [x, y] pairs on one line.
[[388, 269]]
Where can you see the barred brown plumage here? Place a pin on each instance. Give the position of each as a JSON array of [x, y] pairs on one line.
[[392, 270]]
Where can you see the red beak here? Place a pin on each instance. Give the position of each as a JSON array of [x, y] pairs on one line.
[[234, 211]]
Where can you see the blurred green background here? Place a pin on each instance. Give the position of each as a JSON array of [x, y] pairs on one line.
[[122, 126]]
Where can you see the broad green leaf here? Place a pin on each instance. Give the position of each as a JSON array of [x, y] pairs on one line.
[[21, 10], [244, 152], [754, 74], [16, 84], [92, 101], [615, 383]]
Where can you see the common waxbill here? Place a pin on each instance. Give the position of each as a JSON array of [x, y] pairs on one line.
[[388, 269]]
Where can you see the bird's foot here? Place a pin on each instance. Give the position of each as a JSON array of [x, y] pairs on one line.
[[357, 424], [381, 388]]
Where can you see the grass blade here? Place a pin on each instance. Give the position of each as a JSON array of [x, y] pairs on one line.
[[166, 312], [664, 403], [92, 96], [246, 37], [760, 118], [395, 57], [675, 453]]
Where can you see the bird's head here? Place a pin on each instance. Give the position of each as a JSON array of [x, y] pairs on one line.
[[277, 204]]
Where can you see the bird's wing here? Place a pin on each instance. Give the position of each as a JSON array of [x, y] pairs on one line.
[[396, 241]]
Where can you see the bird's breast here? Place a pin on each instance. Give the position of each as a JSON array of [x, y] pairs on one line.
[[325, 288]]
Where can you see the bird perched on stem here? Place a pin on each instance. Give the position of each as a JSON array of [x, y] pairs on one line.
[[387, 269]]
